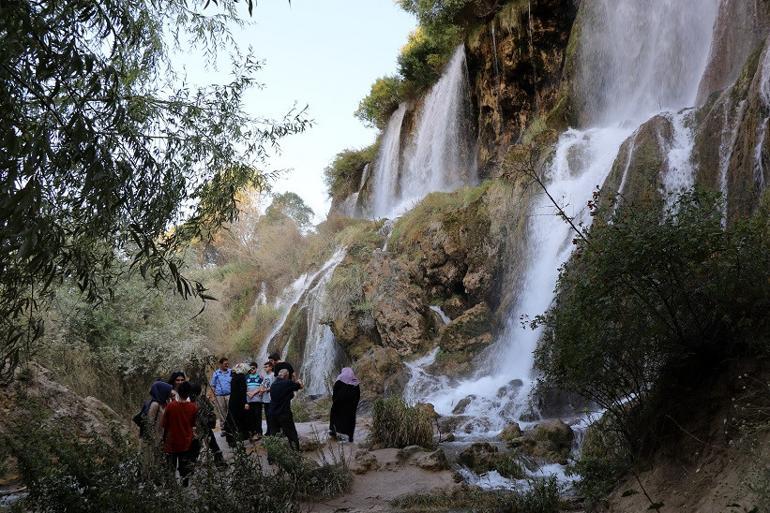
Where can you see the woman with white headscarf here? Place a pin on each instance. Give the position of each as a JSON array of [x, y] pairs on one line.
[[345, 397]]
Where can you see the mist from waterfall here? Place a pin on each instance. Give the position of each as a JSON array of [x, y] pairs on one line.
[[440, 157], [637, 59]]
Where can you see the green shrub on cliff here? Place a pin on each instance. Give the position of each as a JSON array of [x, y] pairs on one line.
[[375, 109], [438, 12], [343, 175], [651, 306], [424, 56]]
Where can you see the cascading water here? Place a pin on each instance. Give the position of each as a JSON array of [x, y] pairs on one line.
[[638, 59], [321, 351], [764, 94], [679, 175], [440, 157], [386, 172]]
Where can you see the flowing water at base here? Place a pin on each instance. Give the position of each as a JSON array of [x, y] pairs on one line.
[[502, 385]]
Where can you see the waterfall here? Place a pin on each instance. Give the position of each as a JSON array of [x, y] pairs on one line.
[[440, 156], [322, 354], [386, 172], [308, 290], [643, 56], [638, 59], [679, 175], [730, 133]]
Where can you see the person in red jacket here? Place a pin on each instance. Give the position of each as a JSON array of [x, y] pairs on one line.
[[178, 424]]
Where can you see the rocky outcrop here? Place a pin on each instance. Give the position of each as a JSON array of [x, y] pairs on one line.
[[516, 57], [741, 27], [731, 147], [458, 251], [382, 371], [36, 390], [550, 442]]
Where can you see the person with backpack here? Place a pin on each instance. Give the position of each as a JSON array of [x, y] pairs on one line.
[[178, 423], [204, 426], [147, 419]]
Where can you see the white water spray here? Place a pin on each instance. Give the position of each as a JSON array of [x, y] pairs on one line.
[[386, 172], [440, 156], [321, 352], [639, 59], [680, 174]]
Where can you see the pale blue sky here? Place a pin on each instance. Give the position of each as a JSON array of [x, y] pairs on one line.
[[326, 54]]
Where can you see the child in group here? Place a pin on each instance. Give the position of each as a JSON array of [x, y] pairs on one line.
[[264, 394], [253, 402]]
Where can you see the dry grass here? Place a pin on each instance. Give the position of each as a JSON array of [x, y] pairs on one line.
[[396, 424]]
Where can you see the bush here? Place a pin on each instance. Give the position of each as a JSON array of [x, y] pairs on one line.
[[343, 175], [312, 480], [66, 474], [423, 57], [395, 424], [375, 109], [603, 461], [651, 305], [438, 12], [126, 342]]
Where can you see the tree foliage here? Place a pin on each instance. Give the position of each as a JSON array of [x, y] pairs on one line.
[[384, 97], [648, 303], [289, 204], [343, 175], [425, 54], [103, 151], [438, 12]]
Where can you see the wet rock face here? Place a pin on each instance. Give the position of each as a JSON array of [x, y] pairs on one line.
[[515, 59], [741, 27], [446, 252], [468, 331], [381, 373], [399, 308]]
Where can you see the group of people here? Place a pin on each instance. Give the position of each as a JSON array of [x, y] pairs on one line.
[[243, 393], [184, 419]]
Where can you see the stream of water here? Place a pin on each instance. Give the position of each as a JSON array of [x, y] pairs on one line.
[[638, 59]]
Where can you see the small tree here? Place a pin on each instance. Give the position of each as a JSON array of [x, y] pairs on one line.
[[649, 302]]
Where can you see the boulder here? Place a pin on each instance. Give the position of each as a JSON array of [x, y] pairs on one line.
[[462, 404], [511, 432], [407, 452], [382, 372], [364, 461], [550, 441], [434, 461], [471, 330], [480, 457]]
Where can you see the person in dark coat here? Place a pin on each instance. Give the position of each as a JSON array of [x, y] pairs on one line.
[[236, 428], [345, 397]]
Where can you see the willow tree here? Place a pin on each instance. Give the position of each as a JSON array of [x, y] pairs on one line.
[[108, 160]]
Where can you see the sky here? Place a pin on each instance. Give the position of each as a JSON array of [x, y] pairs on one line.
[[324, 54]]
